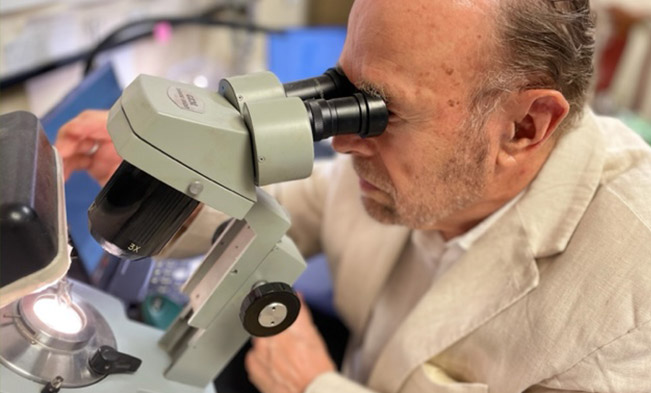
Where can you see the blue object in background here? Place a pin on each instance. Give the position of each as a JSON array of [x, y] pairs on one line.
[[98, 91], [304, 52]]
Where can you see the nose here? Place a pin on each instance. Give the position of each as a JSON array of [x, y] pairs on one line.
[[353, 144]]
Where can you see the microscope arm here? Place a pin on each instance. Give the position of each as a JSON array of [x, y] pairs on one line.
[[216, 149], [248, 253], [182, 145]]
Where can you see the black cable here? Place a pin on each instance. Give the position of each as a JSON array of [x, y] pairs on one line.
[[132, 31], [116, 38], [145, 28], [20, 77]]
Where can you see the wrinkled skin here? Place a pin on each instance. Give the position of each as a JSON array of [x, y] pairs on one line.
[[430, 163], [440, 165]]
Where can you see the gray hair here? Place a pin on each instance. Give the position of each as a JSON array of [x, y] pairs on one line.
[[542, 44]]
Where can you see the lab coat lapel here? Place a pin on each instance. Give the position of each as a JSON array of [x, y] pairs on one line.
[[364, 268], [500, 268], [497, 271]]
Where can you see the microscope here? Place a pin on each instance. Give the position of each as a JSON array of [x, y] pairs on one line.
[[182, 146]]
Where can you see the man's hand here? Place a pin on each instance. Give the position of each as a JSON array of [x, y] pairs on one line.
[[85, 144], [289, 361]]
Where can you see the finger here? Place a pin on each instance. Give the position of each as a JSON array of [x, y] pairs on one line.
[[96, 126], [103, 168], [304, 317], [88, 146], [66, 146], [71, 147], [93, 113], [77, 129], [259, 342], [101, 180], [74, 163], [263, 347], [250, 361], [89, 124], [256, 371]]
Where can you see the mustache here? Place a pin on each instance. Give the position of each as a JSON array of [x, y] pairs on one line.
[[368, 171]]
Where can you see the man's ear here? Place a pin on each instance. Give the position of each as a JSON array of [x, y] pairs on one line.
[[534, 116]]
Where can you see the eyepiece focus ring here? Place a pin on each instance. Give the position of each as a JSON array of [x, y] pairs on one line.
[[360, 114]]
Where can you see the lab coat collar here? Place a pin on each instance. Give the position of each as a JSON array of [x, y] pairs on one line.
[[496, 272], [500, 268], [559, 196]]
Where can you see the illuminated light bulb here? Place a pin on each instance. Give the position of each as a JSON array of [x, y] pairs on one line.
[[60, 317], [200, 81]]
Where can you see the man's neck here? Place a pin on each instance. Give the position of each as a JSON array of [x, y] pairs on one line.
[[469, 218], [464, 223], [502, 193]]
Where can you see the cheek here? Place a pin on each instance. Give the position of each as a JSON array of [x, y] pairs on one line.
[[402, 157]]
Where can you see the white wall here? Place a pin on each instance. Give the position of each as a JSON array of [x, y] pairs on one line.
[[35, 35]]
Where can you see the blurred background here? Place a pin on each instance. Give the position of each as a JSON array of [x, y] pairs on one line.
[[59, 57], [622, 85], [45, 45]]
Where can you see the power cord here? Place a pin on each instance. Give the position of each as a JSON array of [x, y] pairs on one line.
[[132, 31]]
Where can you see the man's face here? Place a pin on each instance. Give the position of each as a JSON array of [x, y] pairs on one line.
[[433, 161]]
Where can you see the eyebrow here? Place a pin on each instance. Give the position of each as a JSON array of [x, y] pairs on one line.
[[370, 88]]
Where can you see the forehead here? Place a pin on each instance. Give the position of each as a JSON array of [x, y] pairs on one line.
[[416, 40]]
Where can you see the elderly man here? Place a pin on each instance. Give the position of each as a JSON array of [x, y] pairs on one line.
[[495, 238]]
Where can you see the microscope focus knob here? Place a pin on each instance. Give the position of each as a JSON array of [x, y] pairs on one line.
[[269, 309]]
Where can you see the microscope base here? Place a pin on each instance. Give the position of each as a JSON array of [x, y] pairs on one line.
[[132, 338]]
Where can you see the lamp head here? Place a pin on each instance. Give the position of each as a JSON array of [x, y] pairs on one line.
[[33, 231]]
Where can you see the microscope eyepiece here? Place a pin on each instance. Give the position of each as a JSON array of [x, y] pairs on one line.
[[335, 106], [360, 114], [329, 85]]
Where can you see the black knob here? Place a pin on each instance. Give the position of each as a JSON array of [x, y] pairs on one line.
[[108, 360], [220, 229], [269, 309], [54, 386]]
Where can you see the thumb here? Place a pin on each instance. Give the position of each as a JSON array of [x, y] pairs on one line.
[[304, 316]]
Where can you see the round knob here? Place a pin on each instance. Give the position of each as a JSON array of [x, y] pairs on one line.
[[269, 309]]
